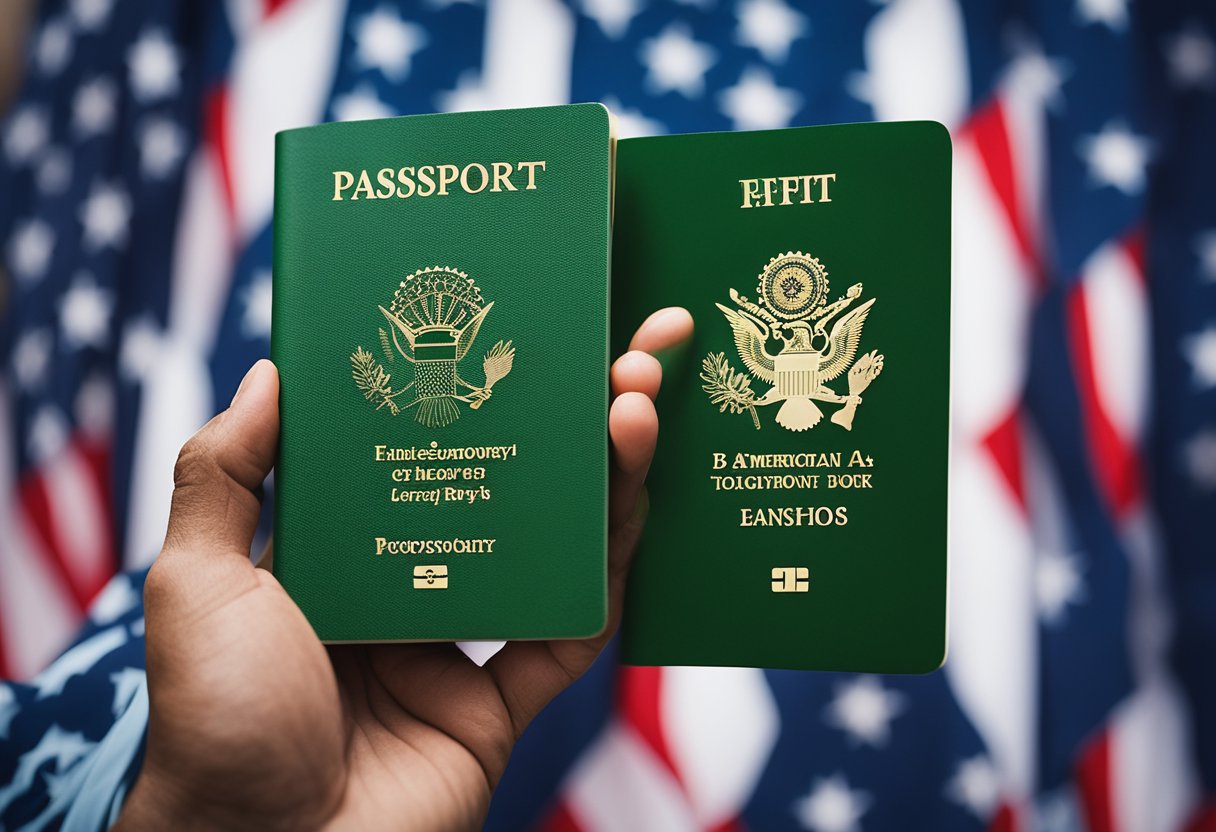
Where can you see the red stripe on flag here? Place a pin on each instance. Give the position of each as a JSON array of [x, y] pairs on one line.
[[273, 6], [215, 131], [97, 459], [35, 502], [640, 691], [990, 131], [1093, 784], [45, 514], [1204, 820], [1134, 245], [1005, 819], [1115, 462], [1004, 445], [732, 825], [560, 819]]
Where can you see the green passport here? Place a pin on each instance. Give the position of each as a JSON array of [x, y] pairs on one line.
[[798, 493], [440, 327]]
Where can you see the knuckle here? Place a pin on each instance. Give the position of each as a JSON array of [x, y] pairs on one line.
[[160, 585], [194, 461]]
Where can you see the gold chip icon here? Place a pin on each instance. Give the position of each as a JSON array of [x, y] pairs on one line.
[[431, 577], [791, 579]]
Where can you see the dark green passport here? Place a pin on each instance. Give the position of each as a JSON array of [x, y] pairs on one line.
[[798, 493], [440, 329]]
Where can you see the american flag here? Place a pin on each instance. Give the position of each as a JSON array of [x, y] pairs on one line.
[[136, 182]]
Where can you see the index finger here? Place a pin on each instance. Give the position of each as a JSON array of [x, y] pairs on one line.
[[664, 329], [530, 673]]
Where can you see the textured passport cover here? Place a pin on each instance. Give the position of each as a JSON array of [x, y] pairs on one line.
[[792, 526], [440, 329]]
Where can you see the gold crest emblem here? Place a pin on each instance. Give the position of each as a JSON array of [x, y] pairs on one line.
[[436, 312], [793, 311]]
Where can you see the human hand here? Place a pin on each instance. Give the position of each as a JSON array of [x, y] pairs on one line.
[[255, 724]]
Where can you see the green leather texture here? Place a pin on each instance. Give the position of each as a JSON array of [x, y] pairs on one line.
[[492, 393], [873, 589]]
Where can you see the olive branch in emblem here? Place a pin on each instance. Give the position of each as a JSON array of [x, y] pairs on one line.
[[372, 380], [728, 388]]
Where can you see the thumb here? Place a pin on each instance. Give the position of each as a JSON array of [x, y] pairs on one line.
[[220, 470]]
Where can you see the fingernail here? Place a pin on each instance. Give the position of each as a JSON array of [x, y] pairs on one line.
[[663, 314], [248, 375]]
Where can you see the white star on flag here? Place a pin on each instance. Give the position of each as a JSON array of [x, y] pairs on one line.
[[674, 61], [154, 66], [1199, 458], [93, 107], [770, 26], [863, 709], [1116, 157], [832, 806], [31, 358], [386, 42], [30, 249], [976, 785], [94, 406], [1057, 583], [141, 344], [27, 134], [162, 144], [1110, 13], [756, 103], [613, 16], [48, 433], [84, 312], [1191, 57], [1200, 350], [1042, 77], [91, 14], [361, 103], [257, 296], [105, 214], [53, 47]]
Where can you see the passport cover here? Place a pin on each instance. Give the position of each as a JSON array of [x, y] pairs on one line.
[[440, 328], [798, 492]]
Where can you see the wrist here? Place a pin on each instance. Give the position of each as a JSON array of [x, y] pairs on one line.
[[158, 802], [155, 804], [161, 800]]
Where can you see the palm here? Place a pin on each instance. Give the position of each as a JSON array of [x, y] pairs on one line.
[[361, 734], [255, 724], [397, 759]]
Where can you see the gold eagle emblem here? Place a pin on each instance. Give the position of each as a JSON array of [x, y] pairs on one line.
[[792, 316], [433, 318]]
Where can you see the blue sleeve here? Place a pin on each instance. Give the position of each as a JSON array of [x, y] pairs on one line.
[[71, 739]]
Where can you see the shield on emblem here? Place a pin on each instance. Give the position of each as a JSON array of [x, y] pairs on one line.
[[797, 373]]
